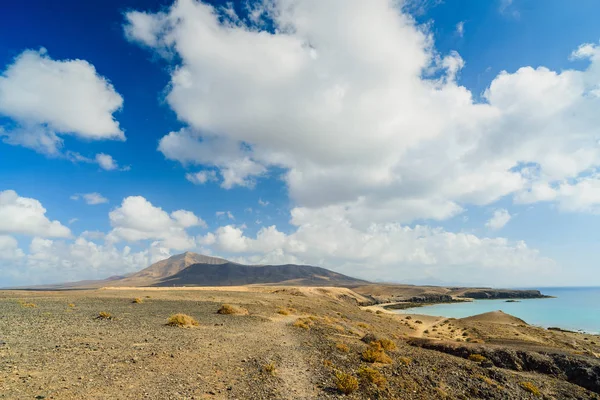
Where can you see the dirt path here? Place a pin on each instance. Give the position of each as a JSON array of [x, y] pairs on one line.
[[293, 368]]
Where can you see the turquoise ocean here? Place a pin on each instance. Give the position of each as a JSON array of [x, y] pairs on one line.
[[572, 308]]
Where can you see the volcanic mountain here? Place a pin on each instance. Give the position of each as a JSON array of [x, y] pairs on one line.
[[191, 269]]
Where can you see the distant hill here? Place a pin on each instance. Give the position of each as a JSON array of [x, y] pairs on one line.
[[191, 269]]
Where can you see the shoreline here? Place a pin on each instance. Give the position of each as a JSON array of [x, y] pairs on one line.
[[399, 308]]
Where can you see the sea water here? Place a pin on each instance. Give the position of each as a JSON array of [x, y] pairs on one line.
[[572, 309]]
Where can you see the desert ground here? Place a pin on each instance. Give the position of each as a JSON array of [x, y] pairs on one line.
[[280, 343]]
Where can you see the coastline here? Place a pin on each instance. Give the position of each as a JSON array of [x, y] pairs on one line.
[[519, 310]]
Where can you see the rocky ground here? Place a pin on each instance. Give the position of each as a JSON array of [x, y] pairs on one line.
[[294, 343]]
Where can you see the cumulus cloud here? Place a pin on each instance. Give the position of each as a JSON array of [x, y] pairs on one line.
[[9, 249], [53, 261], [499, 219], [232, 159], [387, 251], [377, 123], [106, 162], [23, 215], [29, 89], [137, 219], [201, 177]]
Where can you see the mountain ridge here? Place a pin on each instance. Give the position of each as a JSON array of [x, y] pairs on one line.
[[193, 269]]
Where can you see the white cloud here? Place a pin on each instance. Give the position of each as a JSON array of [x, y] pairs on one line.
[[137, 219], [106, 162], [91, 198], [578, 195], [22, 215], [263, 203], [387, 251], [29, 89], [53, 261], [460, 28], [73, 220], [364, 130], [9, 249], [499, 219], [201, 177], [227, 214]]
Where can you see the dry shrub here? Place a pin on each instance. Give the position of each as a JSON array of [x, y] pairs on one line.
[[229, 309], [486, 380], [283, 311], [363, 325], [375, 353], [71, 305], [408, 317], [379, 312], [342, 347], [328, 364], [371, 375], [182, 320], [531, 388], [369, 310], [345, 383], [339, 328], [387, 344], [304, 323], [104, 315], [405, 360], [137, 300], [418, 322], [270, 368], [28, 305], [477, 358]]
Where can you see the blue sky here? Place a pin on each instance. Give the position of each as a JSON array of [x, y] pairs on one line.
[[385, 143]]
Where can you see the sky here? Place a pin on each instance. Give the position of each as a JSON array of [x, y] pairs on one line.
[[416, 141]]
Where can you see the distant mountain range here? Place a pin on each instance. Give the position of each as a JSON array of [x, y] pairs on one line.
[[191, 269]]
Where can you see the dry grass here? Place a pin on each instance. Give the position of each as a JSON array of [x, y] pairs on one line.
[[487, 380], [345, 383], [387, 344], [531, 388], [375, 353], [283, 311], [270, 369], [71, 305], [342, 347], [229, 309], [104, 315], [182, 320], [363, 325], [477, 358], [304, 323], [405, 360], [28, 305], [137, 300], [372, 376]]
